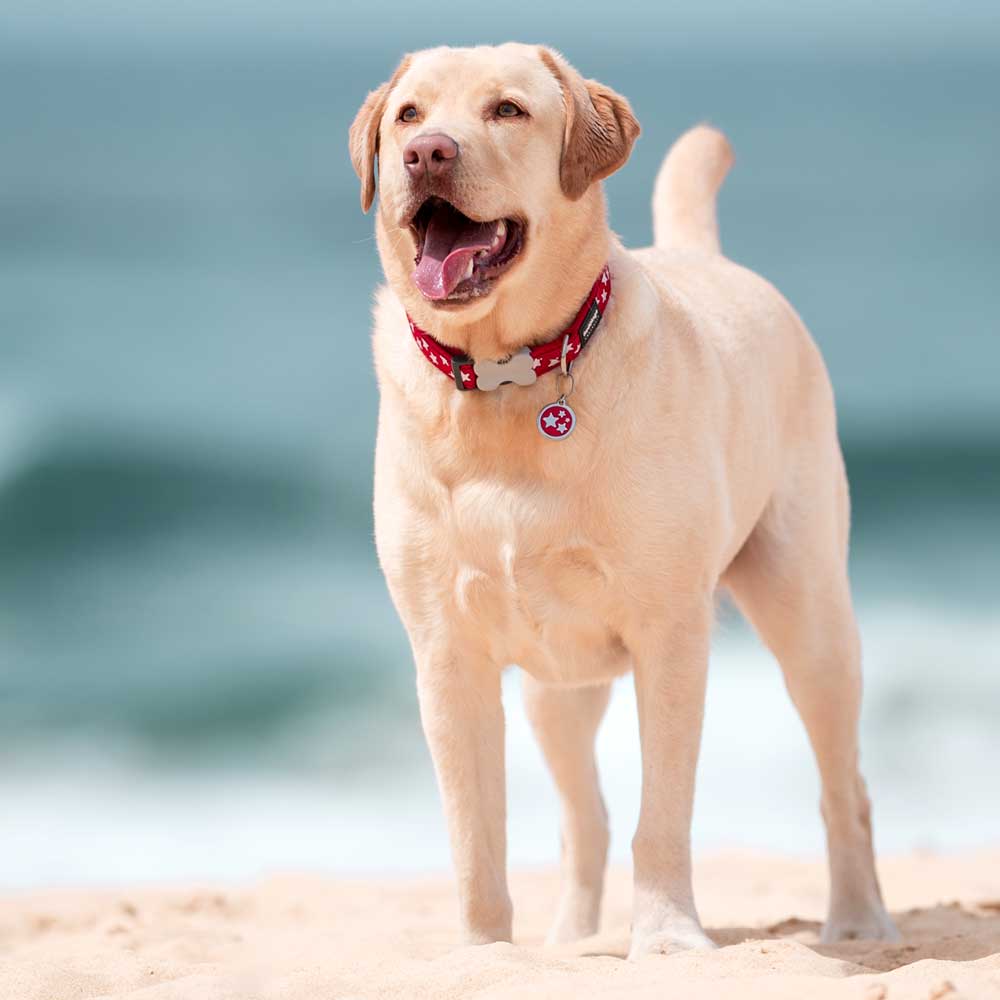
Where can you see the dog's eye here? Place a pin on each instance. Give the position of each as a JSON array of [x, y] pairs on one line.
[[508, 109], [408, 114]]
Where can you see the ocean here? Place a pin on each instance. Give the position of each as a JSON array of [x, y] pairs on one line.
[[201, 673]]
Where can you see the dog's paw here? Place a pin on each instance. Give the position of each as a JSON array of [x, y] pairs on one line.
[[867, 923], [578, 916], [669, 941], [570, 928], [474, 937]]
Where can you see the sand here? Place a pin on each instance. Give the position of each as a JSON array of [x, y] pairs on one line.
[[316, 938]]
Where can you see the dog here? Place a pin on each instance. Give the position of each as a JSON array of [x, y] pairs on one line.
[[579, 445]]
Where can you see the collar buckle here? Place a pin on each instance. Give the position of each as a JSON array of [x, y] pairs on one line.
[[460, 377]]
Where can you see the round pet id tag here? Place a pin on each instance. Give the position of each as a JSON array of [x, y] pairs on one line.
[[557, 420]]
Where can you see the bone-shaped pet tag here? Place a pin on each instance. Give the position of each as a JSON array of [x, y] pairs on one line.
[[519, 368]]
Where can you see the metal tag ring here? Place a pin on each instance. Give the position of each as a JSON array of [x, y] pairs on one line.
[[562, 356]]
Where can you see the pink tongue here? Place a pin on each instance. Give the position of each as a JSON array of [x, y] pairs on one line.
[[451, 241]]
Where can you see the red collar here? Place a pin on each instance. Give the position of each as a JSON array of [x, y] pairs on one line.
[[525, 366]]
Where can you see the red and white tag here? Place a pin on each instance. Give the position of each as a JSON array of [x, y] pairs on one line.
[[557, 420]]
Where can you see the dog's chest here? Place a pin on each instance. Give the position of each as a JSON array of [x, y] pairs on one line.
[[528, 582]]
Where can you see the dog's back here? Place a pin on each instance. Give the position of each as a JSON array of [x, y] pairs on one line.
[[736, 316]]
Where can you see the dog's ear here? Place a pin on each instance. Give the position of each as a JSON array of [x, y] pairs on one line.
[[363, 138], [600, 128]]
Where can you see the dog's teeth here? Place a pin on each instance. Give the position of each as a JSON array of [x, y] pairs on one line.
[[480, 254], [499, 236], [468, 270]]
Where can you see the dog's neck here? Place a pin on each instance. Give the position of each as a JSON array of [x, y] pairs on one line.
[[538, 306]]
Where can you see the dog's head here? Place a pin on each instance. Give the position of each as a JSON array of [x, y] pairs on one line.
[[485, 157]]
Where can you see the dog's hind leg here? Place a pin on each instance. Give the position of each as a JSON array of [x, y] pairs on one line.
[[790, 580], [565, 721]]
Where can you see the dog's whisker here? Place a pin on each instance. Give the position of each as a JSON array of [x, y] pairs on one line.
[[500, 184], [399, 235]]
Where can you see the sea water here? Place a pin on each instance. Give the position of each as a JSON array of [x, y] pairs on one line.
[[201, 673]]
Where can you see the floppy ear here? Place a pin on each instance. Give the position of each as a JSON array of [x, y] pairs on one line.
[[363, 139], [600, 128]]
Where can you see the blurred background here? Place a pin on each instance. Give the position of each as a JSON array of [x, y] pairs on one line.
[[201, 673]]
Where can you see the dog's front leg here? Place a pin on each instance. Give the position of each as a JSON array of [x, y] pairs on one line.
[[670, 671], [463, 720]]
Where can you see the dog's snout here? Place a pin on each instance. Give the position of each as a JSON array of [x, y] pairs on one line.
[[430, 154]]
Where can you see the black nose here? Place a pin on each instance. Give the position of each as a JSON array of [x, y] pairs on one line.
[[430, 154]]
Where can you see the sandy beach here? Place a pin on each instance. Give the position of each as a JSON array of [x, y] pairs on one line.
[[316, 938]]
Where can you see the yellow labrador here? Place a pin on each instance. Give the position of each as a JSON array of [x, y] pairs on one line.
[[703, 453]]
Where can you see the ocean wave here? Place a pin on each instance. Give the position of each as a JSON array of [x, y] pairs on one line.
[[63, 491], [65, 494], [191, 597]]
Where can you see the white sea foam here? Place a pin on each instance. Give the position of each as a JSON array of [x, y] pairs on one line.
[[931, 743]]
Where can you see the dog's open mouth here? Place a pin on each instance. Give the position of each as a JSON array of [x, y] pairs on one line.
[[459, 258]]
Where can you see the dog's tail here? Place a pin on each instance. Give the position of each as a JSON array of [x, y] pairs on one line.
[[686, 186]]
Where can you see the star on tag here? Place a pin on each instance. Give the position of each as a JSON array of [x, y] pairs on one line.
[[556, 421]]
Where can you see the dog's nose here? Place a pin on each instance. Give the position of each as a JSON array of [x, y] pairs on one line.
[[430, 154]]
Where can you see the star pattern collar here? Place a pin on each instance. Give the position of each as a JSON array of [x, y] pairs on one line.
[[527, 365]]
